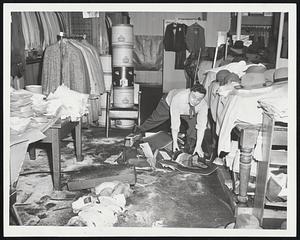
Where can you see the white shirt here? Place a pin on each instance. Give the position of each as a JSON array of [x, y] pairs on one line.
[[178, 100]]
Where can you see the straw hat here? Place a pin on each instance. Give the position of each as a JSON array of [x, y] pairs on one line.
[[253, 80]]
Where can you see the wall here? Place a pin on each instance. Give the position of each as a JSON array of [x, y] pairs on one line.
[[151, 23]]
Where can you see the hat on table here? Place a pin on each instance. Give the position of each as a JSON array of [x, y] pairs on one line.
[[253, 80], [281, 75], [256, 69], [238, 47], [220, 76], [232, 77]]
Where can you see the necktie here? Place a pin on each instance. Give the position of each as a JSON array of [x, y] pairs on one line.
[[192, 111]]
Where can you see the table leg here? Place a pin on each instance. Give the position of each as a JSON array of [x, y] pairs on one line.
[[31, 151], [247, 141], [55, 147], [78, 141]]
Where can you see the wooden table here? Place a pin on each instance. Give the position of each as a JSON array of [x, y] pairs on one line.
[[59, 130]]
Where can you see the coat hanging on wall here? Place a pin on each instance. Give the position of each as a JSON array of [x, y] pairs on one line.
[[174, 39], [195, 38]]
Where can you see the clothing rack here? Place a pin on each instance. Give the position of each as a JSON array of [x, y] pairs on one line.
[[199, 18]]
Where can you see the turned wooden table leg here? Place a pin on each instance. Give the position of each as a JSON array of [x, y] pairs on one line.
[[248, 139], [31, 151], [55, 146], [78, 145], [245, 167]]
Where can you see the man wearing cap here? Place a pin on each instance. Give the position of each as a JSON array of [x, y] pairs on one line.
[[189, 104]]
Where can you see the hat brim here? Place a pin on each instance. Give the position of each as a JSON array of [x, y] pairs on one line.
[[254, 86], [237, 51]]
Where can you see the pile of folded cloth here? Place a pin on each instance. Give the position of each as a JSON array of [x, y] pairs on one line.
[[20, 104], [20, 110]]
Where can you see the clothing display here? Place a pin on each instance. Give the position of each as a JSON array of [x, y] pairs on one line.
[[40, 29], [17, 46], [79, 64]]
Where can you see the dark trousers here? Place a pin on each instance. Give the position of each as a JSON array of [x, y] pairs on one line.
[[162, 114]]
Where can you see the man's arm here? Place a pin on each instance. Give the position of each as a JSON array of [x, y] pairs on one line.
[[201, 126]]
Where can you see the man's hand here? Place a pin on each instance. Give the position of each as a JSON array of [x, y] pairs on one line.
[[175, 146], [199, 151]]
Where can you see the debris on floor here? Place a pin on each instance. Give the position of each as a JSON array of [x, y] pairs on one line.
[[101, 208]]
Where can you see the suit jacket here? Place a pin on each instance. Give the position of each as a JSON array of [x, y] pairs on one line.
[[195, 38], [174, 39]]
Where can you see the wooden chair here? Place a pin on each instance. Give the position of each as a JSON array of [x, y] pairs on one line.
[[123, 113], [273, 134]]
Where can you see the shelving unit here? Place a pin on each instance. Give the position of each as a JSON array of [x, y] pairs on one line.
[[273, 135]]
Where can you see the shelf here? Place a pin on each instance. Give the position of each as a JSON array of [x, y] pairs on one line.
[[275, 204]]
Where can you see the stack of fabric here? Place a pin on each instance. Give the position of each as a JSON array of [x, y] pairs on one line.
[[74, 63], [40, 29], [20, 111], [20, 104]]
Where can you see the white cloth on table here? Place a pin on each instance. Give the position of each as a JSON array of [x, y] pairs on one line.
[[240, 106], [277, 105]]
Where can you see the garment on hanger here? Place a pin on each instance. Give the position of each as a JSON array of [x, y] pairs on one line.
[[79, 64], [180, 57], [174, 39], [195, 38], [17, 46]]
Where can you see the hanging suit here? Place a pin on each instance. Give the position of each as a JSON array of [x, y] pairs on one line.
[[195, 38], [174, 39]]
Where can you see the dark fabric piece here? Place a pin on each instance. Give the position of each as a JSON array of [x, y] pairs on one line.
[[190, 67], [174, 39], [158, 116], [18, 61], [180, 59], [191, 131], [148, 53], [192, 111], [195, 38], [175, 165]]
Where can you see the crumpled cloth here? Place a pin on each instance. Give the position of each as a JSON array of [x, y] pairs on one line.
[[277, 105], [74, 104], [101, 211]]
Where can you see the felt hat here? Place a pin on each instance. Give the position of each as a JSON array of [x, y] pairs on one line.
[[238, 44], [232, 77], [269, 75], [253, 80], [220, 76], [256, 69], [281, 75], [238, 47]]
